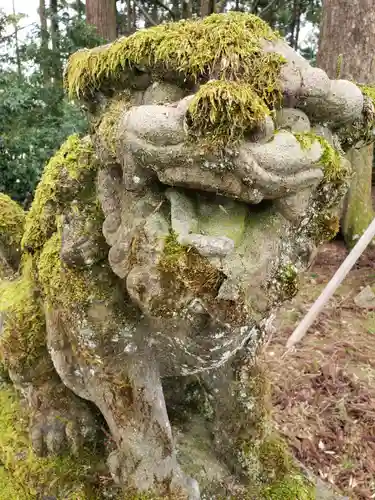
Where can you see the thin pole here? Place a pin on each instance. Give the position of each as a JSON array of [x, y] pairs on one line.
[[332, 286]]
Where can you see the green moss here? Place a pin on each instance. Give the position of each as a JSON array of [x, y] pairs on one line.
[[325, 227], [69, 168], [23, 336], [107, 128], [223, 44], [188, 267], [60, 284], [65, 287], [369, 91], [275, 459], [287, 281], [334, 168], [263, 454], [239, 81], [222, 111], [272, 472], [294, 487], [25, 476], [12, 219], [184, 272], [173, 251]]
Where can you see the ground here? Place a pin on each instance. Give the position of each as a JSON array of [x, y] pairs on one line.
[[324, 389]]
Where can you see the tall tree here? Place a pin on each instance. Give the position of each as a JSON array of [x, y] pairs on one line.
[[43, 40], [17, 45], [346, 50], [102, 15]]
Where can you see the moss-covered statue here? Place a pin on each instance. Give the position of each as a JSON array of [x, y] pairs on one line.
[[147, 269]]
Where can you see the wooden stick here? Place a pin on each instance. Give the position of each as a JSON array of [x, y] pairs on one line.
[[332, 286]]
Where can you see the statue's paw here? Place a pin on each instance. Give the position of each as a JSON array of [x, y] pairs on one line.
[[164, 479], [65, 428]]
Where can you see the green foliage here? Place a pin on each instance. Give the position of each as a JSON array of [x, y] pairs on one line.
[[369, 91], [35, 118]]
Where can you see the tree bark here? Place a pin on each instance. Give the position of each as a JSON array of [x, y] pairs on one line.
[[102, 15], [18, 57], [207, 7], [55, 38], [346, 50], [79, 9], [44, 40]]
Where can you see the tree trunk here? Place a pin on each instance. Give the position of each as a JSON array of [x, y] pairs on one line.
[[102, 15], [347, 41], [358, 211], [207, 7], [79, 9], [57, 70], [43, 40], [18, 57]]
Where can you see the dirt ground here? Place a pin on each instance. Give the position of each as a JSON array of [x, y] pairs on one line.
[[324, 389]]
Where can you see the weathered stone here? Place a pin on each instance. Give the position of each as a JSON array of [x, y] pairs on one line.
[[210, 209], [291, 119], [343, 104], [162, 93], [365, 298]]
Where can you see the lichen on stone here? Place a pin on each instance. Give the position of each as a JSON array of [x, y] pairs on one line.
[[287, 281], [68, 168], [335, 171], [183, 269], [12, 219]]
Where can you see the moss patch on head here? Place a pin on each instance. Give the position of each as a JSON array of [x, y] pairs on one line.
[[63, 176], [335, 170], [222, 111], [12, 219], [223, 45], [23, 336], [25, 476], [239, 81]]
